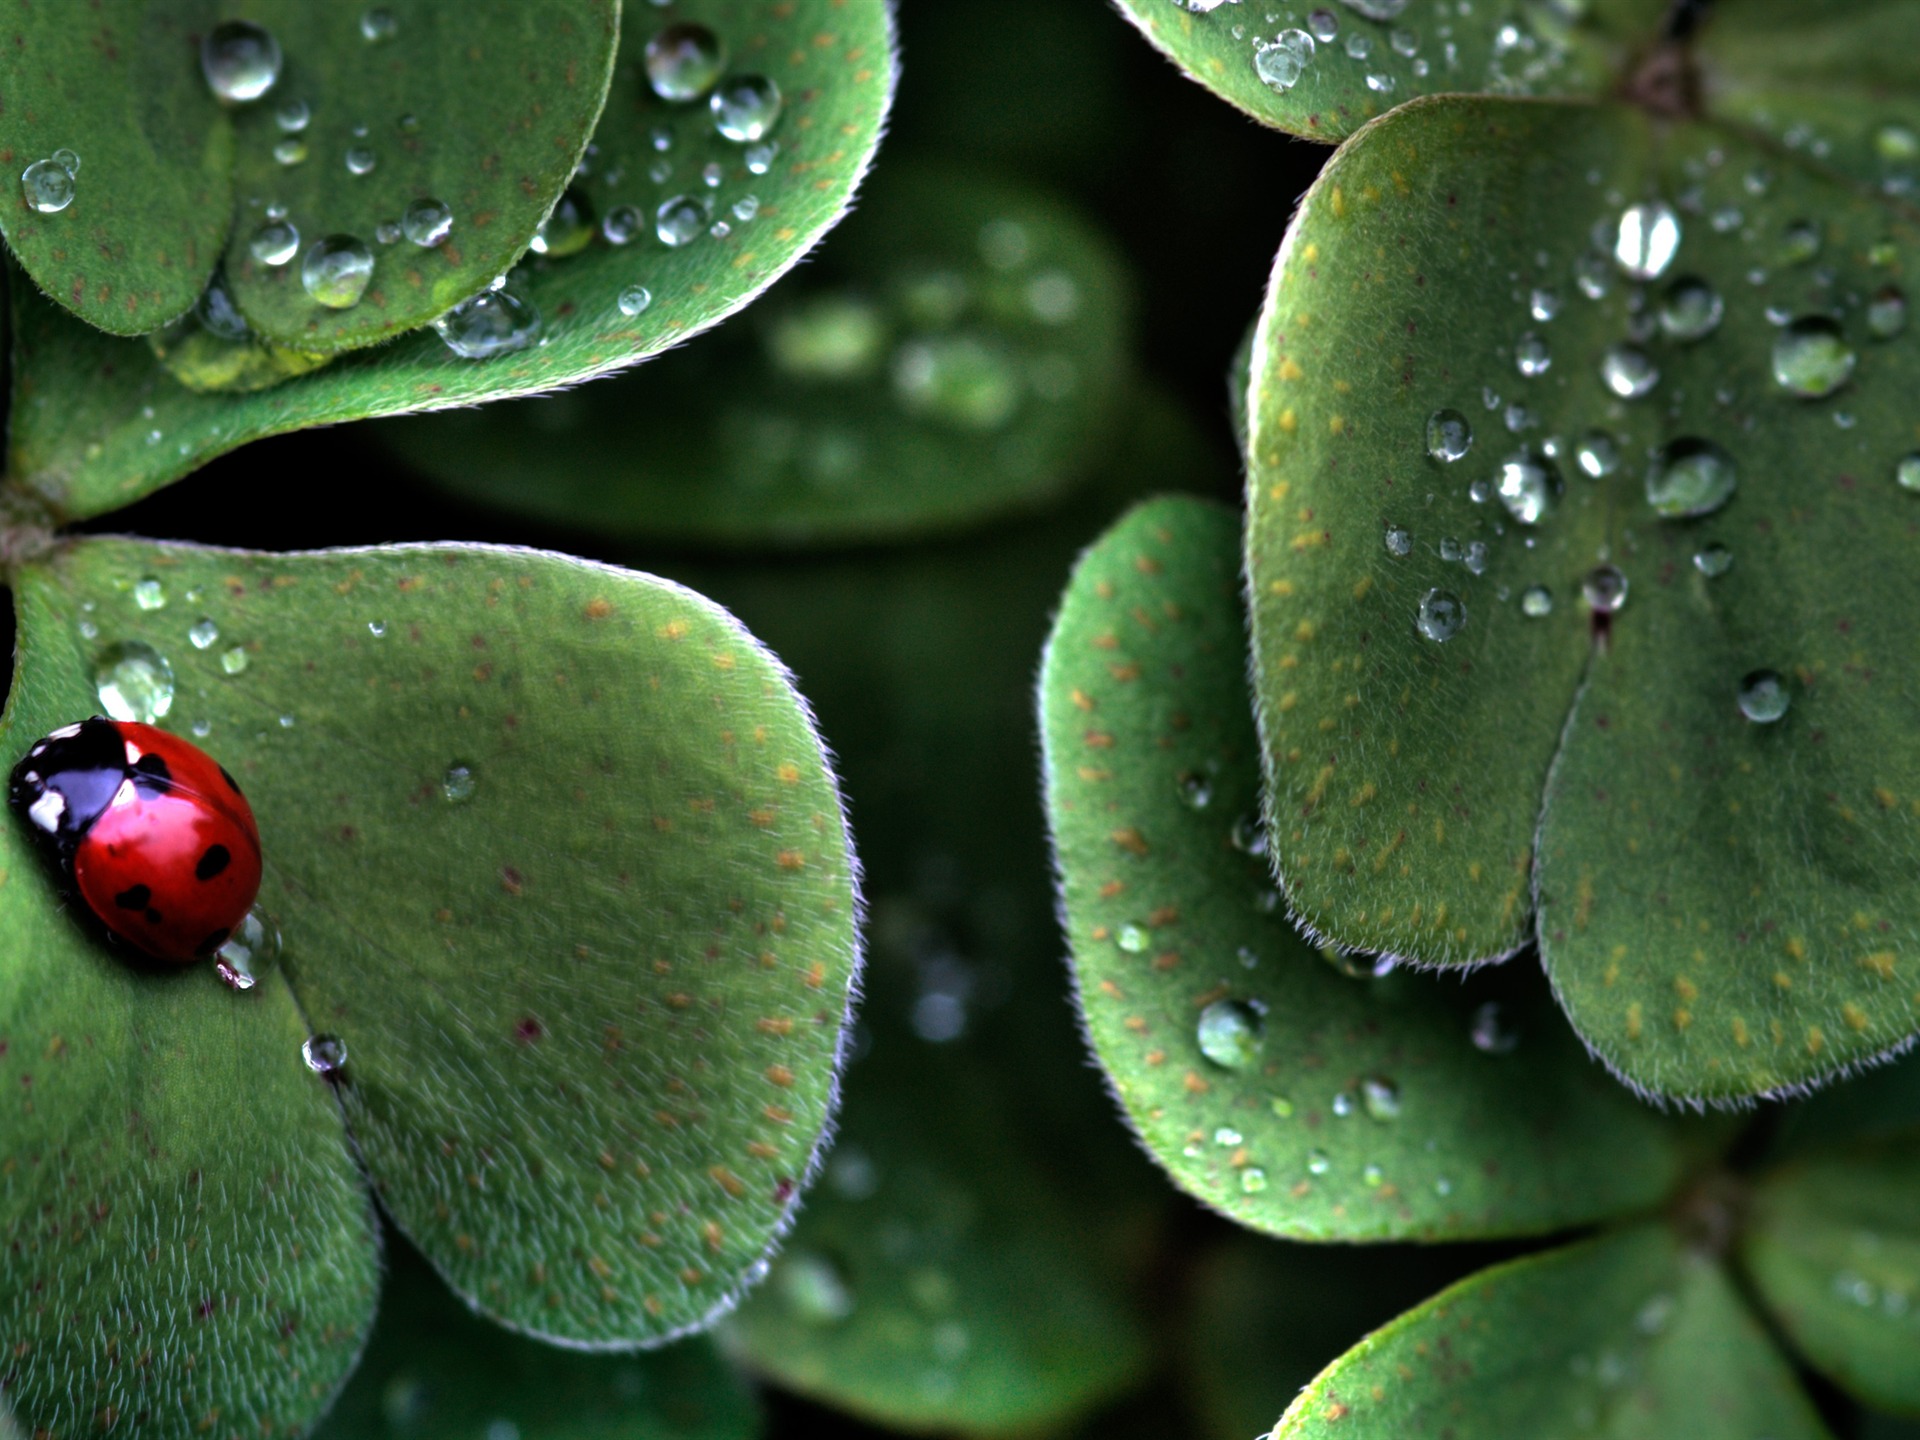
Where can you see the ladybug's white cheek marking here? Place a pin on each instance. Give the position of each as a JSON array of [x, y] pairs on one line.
[[134, 752], [125, 795], [65, 732], [47, 810]]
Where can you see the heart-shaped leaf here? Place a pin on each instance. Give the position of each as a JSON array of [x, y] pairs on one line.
[[1833, 1246], [1323, 70], [959, 351], [98, 422], [337, 119], [435, 1372], [1629, 1336], [1296, 1099], [553, 853], [1557, 581]]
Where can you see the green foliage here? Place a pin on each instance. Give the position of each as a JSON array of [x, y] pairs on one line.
[[959, 351]]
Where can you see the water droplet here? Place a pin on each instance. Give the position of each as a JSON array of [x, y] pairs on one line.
[[1491, 1033], [680, 220], [1226, 1137], [494, 322], [1536, 602], [1248, 835], [235, 660], [1628, 371], [957, 380], [67, 160], [1811, 359], [1597, 454], [204, 633], [274, 243], [1689, 478], [622, 224], [1449, 436], [1231, 1033], [683, 62], [1381, 1097], [813, 1288], [760, 157], [1442, 1187], [1799, 243], [336, 271], [1399, 542], [427, 222], [1531, 356], [1196, 791], [1527, 485], [149, 594], [1283, 60], [568, 228], [1317, 1162], [1648, 236], [1887, 313], [1763, 696], [250, 953], [290, 151], [1441, 615], [1654, 1315], [134, 682], [1604, 590], [458, 784], [1374, 1176], [635, 299], [326, 1055], [1133, 939], [48, 186], [1590, 273], [293, 116], [1713, 560], [1543, 305], [745, 108], [1450, 550], [1691, 310], [378, 24], [1252, 1180], [240, 61], [361, 160]]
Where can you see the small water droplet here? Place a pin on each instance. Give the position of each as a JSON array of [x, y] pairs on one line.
[[67, 160], [1528, 484], [1691, 310], [336, 271], [290, 151], [149, 594], [634, 300], [1597, 454], [293, 116], [621, 225], [378, 24], [1231, 1033], [1196, 791], [250, 953], [204, 633], [1713, 560], [1490, 1032], [1281, 61], [1531, 356], [326, 1055], [1591, 275], [958, 380], [1381, 1097], [680, 220], [48, 186], [1811, 359], [683, 61], [1248, 835], [494, 322], [1441, 615], [1318, 1163], [1690, 478], [1227, 1137], [1252, 1180], [1628, 371], [241, 61], [1536, 602], [134, 682], [1449, 436], [1799, 242], [745, 108], [235, 660], [1887, 313], [1543, 305], [760, 157], [568, 229], [1133, 939], [427, 222], [813, 1288], [361, 160], [377, 629], [1763, 696], [1399, 542], [457, 784], [274, 243], [1374, 1176], [1604, 590], [1647, 237]]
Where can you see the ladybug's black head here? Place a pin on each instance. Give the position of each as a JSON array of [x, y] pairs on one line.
[[67, 779]]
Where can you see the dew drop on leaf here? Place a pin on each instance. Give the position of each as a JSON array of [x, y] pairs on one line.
[[378, 24], [204, 633], [634, 300], [1131, 938], [1230, 1033], [274, 243], [1887, 313], [1531, 356], [457, 784], [1763, 696], [1196, 791], [149, 593], [1543, 305], [241, 61], [494, 322], [290, 151], [1691, 309], [1253, 1180], [336, 271], [293, 116], [1281, 62], [427, 222], [234, 661], [361, 160], [67, 160], [1811, 359], [680, 220], [1380, 1097], [1536, 602], [1799, 242], [250, 953], [134, 682], [1527, 485], [326, 1055], [1689, 478], [1597, 454], [1318, 1163], [1490, 1032], [1647, 237], [683, 62], [813, 1288], [1449, 436], [48, 186], [1713, 560], [1441, 615], [1248, 835], [1628, 371], [1906, 473], [1604, 590], [957, 380], [1399, 542], [745, 108], [621, 225]]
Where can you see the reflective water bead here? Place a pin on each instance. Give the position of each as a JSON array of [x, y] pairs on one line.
[[241, 61], [1196, 791], [1527, 485], [1690, 477], [149, 594], [683, 61], [1226, 1136], [1253, 1180], [1647, 237], [1896, 143], [361, 160], [326, 1055], [249, 954], [1543, 305], [1318, 1163], [1536, 602], [1590, 274], [1248, 835], [427, 222], [1132, 938], [1374, 1176], [1449, 436], [67, 160], [204, 633], [1377, 9], [956, 379], [274, 243], [1799, 242], [1490, 1032], [634, 299], [1811, 359], [293, 116], [1604, 590], [1628, 371], [1691, 309], [680, 220], [1441, 615], [1399, 542], [1381, 1097], [290, 151], [1887, 313], [745, 108], [337, 270], [813, 1287], [458, 784], [494, 322], [621, 225], [234, 661], [1358, 46], [1531, 356], [1763, 696], [760, 157], [1713, 560], [378, 24], [1231, 1033], [1281, 61], [133, 682], [48, 186], [1597, 454]]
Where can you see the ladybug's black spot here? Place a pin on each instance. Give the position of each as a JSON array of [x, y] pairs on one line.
[[212, 863], [138, 898], [212, 943], [154, 917], [232, 784]]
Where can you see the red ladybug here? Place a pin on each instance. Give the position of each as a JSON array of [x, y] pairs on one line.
[[150, 830]]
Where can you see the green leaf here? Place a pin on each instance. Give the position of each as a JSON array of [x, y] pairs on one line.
[[1833, 1248], [553, 850], [1295, 1098], [1723, 903], [435, 1372], [87, 409], [1884, 1099], [1322, 72], [959, 351], [1630, 1336]]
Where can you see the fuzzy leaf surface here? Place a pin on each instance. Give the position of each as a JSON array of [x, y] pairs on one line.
[[1833, 1247], [558, 857], [1724, 904], [1333, 1107], [1628, 1337], [97, 422], [959, 351]]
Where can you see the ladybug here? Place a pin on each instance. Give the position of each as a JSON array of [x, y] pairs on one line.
[[150, 831]]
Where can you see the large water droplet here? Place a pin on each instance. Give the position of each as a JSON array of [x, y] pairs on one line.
[[48, 186], [1527, 485], [494, 322], [1491, 1033], [1441, 615], [1283, 60], [326, 1055], [1628, 371], [427, 222], [240, 61], [1690, 477], [745, 108], [1713, 560], [1531, 356], [683, 61], [134, 682], [1381, 1097], [1811, 359], [149, 593], [1691, 310], [1763, 696], [1231, 1033], [634, 300], [1647, 238], [1604, 590], [1449, 436], [957, 380], [336, 271], [250, 953], [274, 243], [680, 220], [204, 633]]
